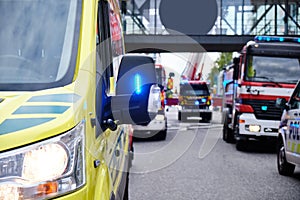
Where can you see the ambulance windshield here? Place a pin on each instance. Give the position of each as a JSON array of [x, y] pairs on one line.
[[38, 44]]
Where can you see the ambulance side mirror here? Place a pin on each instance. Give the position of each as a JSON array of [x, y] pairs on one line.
[[137, 97]]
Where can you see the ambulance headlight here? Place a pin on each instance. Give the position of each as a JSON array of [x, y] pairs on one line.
[[45, 162], [45, 169]]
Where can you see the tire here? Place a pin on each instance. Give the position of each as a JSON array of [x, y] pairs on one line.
[[179, 115], [228, 135], [126, 190], [241, 145], [284, 168], [131, 157], [183, 117], [161, 135], [205, 120]]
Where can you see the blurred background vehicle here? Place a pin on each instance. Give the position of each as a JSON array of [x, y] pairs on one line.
[[194, 101]]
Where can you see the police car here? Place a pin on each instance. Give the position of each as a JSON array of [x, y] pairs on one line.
[[288, 152]]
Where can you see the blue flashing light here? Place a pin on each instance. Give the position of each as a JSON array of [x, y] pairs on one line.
[[137, 83], [264, 108], [197, 103], [184, 81], [265, 38], [276, 39], [259, 38], [203, 100]]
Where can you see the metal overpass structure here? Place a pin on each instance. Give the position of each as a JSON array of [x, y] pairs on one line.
[[237, 22]]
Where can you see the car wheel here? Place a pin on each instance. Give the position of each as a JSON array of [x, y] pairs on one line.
[[126, 190], [241, 145], [161, 135], [227, 132], [205, 120], [284, 168], [131, 157], [179, 115], [183, 117]]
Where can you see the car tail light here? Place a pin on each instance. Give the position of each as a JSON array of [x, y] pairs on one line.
[[208, 102], [162, 99]]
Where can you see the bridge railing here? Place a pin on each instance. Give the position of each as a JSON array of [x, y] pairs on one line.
[[235, 17]]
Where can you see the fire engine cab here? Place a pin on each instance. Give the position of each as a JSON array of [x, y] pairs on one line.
[[194, 100], [267, 68]]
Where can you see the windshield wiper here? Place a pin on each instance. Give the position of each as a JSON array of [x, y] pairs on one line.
[[269, 79]]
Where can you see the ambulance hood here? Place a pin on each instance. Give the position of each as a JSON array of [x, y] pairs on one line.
[[28, 117]]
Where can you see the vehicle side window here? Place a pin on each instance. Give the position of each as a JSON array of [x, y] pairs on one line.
[[104, 45], [103, 66], [228, 87], [116, 38], [251, 72], [116, 32], [110, 46], [295, 99]]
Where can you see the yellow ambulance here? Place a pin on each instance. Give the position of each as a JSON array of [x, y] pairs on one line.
[[67, 98]]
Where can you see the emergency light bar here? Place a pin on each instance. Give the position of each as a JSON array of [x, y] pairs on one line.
[[276, 39], [184, 81]]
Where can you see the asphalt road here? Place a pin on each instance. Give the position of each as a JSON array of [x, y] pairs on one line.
[[195, 163]]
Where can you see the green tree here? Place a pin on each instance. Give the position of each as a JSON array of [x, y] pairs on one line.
[[212, 76], [224, 59]]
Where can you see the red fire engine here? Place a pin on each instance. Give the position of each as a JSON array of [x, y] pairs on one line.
[[267, 68]]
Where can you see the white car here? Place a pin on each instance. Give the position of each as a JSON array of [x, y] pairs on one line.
[[156, 129], [288, 152]]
